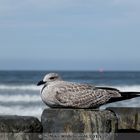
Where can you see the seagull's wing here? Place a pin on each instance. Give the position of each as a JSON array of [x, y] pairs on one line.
[[83, 95]]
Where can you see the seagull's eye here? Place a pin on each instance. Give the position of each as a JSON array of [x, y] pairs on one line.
[[51, 78]]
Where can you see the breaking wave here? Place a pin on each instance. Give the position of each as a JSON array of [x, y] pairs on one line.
[[36, 88], [129, 88], [23, 111], [20, 98], [19, 87]]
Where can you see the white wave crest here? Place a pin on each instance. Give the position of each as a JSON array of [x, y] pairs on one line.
[[134, 88], [19, 87], [20, 110], [20, 98], [36, 88]]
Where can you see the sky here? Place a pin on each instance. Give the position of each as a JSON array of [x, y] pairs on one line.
[[69, 35]]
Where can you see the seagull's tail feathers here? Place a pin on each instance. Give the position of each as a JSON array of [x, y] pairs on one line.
[[129, 95], [125, 96]]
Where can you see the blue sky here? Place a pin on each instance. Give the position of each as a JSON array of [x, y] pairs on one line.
[[70, 34]]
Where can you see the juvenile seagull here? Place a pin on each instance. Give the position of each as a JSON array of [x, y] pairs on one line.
[[59, 93]]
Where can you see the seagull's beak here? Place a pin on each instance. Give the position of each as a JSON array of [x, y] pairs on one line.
[[40, 83]]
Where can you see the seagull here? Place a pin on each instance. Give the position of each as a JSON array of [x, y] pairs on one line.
[[59, 93]]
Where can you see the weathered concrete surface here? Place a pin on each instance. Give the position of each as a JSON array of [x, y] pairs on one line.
[[78, 124], [20, 128], [128, 119]]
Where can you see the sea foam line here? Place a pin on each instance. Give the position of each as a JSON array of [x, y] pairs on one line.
[[36, 88], [19, 87], [134, 88], [20, 98], [20, 110]]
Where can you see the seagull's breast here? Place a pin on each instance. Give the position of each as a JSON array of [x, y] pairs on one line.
[[48, 95]]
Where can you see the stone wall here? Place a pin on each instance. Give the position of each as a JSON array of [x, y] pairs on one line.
[[73, 124]]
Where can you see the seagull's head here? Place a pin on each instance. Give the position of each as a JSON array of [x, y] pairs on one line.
[[51, 77]]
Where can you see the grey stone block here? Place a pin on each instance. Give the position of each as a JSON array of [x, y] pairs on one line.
[[78, 124], [20, 128]]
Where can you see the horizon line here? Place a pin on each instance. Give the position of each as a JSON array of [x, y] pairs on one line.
[[71, 70]]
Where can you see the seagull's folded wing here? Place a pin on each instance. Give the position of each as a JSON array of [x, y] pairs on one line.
[[79, 97]]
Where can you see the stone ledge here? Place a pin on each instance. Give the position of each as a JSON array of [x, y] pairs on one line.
[[78, 121], [20, 128]]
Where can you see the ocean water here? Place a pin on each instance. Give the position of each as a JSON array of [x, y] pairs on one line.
[[19, 94]]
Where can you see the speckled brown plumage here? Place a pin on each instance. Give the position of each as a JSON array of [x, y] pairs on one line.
[[59, 93]]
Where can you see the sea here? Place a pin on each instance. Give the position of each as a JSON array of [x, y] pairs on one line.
[[20, 95]]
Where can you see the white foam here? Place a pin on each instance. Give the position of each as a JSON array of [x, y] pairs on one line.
[[20, 98], [20, 110], [135, 88], [19, 87], [36, 88]]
